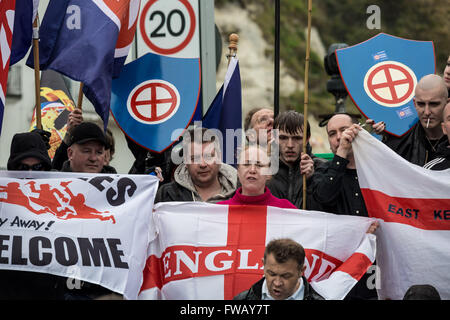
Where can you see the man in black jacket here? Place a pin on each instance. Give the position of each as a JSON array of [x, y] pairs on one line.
[[86, 149], [287, 183], [420, 144], [335, 183], [442, 160], [60, 160], [283, 275], [29, 152]]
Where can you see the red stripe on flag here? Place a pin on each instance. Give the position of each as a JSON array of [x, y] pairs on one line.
[[246, 229], [152, 274], [356, 265], [427, 214]]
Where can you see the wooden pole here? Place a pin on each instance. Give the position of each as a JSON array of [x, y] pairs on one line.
[[37, 77], [276, 87], [80, 96], [233, 46], [306, 100]]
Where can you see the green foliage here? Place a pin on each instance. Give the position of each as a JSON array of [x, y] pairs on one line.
[[344, 21]]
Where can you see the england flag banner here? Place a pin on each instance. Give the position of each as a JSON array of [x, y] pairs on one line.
[[414, 204], [212, 251], [91, 227]]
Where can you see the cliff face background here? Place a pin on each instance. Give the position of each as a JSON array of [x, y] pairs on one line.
[[342, 21]]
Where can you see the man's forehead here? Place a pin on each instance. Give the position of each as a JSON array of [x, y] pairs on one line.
[[338, 121], [261, 113], [299, 132], [202, 147]]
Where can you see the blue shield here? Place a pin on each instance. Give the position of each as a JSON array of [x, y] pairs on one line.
[[381, 74], [154, 97]]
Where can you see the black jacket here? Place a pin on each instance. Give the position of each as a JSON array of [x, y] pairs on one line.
[[255, 292], [442, 160], [337, 190], [287, 183], [414, 145]]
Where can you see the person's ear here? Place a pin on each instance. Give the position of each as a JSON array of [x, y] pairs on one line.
[[69, 153], [302, 272]]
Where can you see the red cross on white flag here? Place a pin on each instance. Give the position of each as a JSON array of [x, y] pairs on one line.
[[214, 252]]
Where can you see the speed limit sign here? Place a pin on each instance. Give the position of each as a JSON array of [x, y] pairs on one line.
[[169, 27]]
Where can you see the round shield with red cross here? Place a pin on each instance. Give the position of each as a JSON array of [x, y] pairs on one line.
[[390, 83], [153, 101], [380, 75]]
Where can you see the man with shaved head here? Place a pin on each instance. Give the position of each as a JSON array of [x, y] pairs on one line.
[[420, 144]]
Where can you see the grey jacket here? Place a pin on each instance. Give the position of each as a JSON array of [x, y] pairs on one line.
[[183, 189]]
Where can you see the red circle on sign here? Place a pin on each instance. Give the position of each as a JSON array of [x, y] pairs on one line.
[[390, 83], [153, 102], [173, 50]]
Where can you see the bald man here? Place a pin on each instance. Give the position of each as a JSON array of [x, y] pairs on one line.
[[420, 144]]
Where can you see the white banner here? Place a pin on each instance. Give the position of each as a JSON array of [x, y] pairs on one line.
[[210, 251], [92, 227], [414, 203]]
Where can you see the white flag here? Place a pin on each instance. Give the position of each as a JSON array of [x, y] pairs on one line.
[[92, 227], [211, 251], [413, 241]]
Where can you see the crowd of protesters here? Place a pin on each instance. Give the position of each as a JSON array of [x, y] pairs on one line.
[[332, 186]]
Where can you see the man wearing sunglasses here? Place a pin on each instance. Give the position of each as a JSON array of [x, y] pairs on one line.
[[28, 152]]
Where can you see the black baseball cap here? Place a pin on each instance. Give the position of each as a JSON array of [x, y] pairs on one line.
[[87, 131]]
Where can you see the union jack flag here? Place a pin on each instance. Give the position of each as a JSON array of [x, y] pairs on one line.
[[6, 32]]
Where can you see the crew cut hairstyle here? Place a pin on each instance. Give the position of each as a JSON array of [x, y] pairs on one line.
[[285, 249], [291, 121], [201, 135]]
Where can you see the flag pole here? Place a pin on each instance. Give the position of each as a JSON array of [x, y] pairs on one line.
[[233, 39], [276, 87], [80, 96], [306, 100], [37, 79]]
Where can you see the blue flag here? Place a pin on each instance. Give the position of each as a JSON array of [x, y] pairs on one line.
[[225, 112], [155, 98], [24, 16], [88, 41]]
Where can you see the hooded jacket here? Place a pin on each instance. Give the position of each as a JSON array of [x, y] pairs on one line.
[[183, 189], [25, 145]]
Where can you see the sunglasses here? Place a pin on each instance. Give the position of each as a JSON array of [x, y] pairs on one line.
[[35, 167]]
